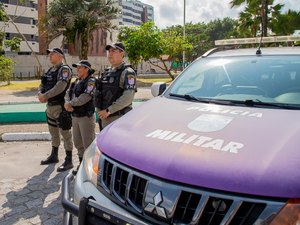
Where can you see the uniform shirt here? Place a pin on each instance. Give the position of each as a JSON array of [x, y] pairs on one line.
[[128, 84], [85, 97], [63, 78]]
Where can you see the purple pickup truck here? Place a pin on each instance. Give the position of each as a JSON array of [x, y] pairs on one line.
[[221, 145]]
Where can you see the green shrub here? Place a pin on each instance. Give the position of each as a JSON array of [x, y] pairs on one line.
[[6, 68]]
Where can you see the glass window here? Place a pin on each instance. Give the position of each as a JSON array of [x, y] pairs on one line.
[[264, 78]]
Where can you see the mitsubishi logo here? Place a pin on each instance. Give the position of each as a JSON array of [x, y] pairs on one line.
[[150, 207]]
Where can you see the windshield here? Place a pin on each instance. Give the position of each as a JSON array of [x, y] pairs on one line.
[[261, 79]]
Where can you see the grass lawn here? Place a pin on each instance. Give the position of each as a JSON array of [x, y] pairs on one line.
[[32, 85]]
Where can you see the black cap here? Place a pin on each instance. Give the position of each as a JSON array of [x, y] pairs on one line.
[[56, 50], [84, 63], [117, 45]]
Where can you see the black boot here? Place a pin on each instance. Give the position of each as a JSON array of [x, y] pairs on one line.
[[53, 158], [67, 163], [74, 172]]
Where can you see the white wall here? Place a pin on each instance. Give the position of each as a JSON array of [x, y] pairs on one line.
[[28, 64]]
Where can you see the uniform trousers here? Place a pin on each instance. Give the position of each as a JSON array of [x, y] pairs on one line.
[[53, 114], [83, 132]]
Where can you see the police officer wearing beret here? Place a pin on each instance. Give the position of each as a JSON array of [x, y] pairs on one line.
[[116, 87], [52, 90], [79, 101]]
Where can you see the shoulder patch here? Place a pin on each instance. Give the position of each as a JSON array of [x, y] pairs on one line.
[[90, 86], [65, 74], [130, 81]]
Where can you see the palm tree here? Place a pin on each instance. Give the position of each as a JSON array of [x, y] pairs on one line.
[[249, 21], [264, 11], [77, 20], [285, 24]]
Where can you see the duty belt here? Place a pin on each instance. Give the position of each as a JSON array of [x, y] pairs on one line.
[[88, 114], [55, 103]]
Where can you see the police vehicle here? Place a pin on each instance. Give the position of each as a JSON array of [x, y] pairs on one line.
[[219, 146]]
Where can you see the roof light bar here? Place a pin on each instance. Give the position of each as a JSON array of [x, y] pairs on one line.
[[240, 41]]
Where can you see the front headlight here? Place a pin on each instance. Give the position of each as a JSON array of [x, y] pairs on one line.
[[91, 162], [289, 214]]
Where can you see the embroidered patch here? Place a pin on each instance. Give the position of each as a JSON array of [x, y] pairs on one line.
[[65, 73], [90, 87], [111, 80], [131, 80]]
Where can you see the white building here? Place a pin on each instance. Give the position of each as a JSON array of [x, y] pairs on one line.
[[25, 17], [134, 12]]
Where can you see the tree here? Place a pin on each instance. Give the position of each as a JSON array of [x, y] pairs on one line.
[[196, 35], [147, 42], [287, 23], [14, 43], [260, 11], [249, 22], [6, 64], [6, 68], [202, 36], [77, 20]]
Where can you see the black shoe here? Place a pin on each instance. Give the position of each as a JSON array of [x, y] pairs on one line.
[[74, 172], [53, 158], [65, 166], [67, 163]]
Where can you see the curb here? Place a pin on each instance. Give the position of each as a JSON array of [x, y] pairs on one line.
[[33, 136]]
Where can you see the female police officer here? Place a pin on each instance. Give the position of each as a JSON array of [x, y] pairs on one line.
[[79, 101]]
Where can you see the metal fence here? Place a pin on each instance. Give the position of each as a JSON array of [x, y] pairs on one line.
[[24, 76]]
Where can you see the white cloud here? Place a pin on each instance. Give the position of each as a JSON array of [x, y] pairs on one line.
[[170, 12]]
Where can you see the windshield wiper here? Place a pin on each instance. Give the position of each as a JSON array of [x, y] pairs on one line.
[[203, 100], [257, 102]]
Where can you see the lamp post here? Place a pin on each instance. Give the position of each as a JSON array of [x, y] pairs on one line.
[[183, 53]]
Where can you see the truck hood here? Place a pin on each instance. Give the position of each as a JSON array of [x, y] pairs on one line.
[[238, 149]]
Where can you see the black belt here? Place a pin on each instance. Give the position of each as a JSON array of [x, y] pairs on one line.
[[88, 114], [55, 103]]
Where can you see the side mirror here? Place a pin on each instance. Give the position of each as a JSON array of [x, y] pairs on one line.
[[158, 88]]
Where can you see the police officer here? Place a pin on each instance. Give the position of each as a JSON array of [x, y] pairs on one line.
[[79, 101], [116, 87], [52, 90]]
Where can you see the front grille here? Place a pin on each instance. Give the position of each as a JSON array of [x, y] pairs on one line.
[[186, 207], [136, 192], [120, 183], [163, 202]]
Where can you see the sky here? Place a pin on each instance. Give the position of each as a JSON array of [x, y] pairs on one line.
[[170, 12]]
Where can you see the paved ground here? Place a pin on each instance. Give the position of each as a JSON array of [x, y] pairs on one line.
[[29, 192]]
